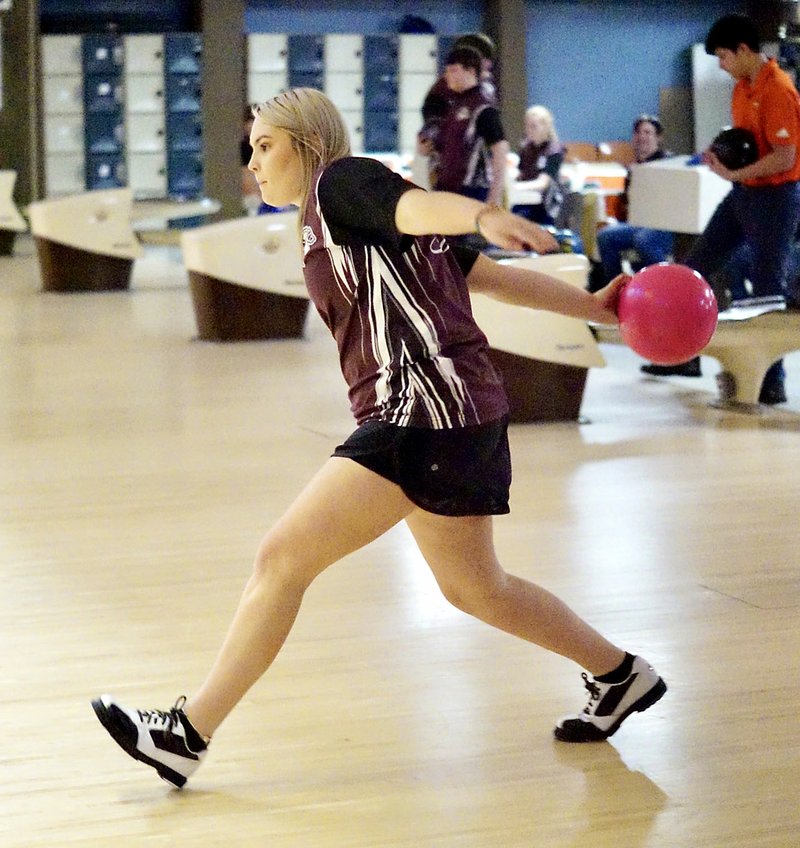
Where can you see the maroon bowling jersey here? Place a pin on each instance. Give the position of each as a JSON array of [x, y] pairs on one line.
[[397, 305]]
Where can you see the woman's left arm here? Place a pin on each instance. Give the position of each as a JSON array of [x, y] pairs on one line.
[[525, 287]]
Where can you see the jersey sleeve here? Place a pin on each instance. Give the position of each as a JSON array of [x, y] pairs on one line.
[[780, 118], [358, 197], [489, 126], [465, 256]]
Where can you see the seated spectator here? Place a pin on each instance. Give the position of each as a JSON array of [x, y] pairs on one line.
[[614, 240], [540, 158]]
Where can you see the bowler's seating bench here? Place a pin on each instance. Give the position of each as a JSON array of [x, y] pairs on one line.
[[746, 342], [11, 222]]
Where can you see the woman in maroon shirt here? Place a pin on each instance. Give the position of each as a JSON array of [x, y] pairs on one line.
[[431, 448]]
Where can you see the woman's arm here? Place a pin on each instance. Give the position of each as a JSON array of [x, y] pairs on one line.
[[525, 287], [421, 213]]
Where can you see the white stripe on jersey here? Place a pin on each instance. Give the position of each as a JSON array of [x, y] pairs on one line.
[[383, 278]]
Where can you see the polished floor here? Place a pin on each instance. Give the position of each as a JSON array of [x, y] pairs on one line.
[[138, 468]]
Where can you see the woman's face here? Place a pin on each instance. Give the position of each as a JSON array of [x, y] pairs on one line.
[[536, 128], [275, 164]]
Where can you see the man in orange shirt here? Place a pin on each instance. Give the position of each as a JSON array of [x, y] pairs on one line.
[[762, 209]]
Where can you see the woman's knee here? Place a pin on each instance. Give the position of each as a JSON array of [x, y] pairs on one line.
[[282, 563], [474, 595]]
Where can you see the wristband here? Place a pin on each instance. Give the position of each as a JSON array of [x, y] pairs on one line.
[[487, 208]]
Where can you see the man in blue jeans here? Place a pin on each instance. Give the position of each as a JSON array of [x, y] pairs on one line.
[[651, 245], [762, 210]]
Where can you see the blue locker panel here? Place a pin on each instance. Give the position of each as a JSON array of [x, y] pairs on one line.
[[299, 79], [306, 54], [380, 74], [183, 92], [184, 132], [380, 131], [102, 54], [380, 92], [104, 133], [185, 175], [102, 93], [381, 55], [183, 53], [106, 171]]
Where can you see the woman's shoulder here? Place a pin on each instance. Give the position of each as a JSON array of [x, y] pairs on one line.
[[352, 167]]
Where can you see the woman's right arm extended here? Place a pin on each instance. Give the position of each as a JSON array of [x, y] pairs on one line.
[[421, 212]]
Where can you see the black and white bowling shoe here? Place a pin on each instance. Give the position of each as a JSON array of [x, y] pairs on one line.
[[611, 703], [164, 740]]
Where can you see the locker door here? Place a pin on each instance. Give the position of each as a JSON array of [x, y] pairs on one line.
[[267, 52], [418, 54], [144, 54], [261, 87], [146, 132], [62, 55], [346, 90], [344, 53]]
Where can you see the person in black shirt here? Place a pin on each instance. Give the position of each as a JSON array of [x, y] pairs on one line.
[[431, 446]]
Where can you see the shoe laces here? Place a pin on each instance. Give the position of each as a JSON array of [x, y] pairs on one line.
[[165, 719], [594, 692]]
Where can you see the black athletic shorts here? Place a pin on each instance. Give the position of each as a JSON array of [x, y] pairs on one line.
[[460, 471]]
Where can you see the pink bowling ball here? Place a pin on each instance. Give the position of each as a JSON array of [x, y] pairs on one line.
[[667, 313]]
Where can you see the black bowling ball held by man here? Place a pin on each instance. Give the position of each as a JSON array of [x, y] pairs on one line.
[[735, 147]]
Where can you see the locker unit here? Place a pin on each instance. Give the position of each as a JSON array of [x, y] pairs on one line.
[[62, 85], [183, 91], [378, 82], [418, 71], [267, 65], [123, 110], [344, 82], [145, 115], [381, 101], [103, 111]]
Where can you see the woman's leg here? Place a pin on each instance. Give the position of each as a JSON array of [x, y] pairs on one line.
[[343, 508], [460, 552]]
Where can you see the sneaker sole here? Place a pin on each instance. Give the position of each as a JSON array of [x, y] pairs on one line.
[[647, 700], [118, 734]]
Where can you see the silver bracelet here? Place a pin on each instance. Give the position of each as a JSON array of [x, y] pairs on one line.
[[487, 208]]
